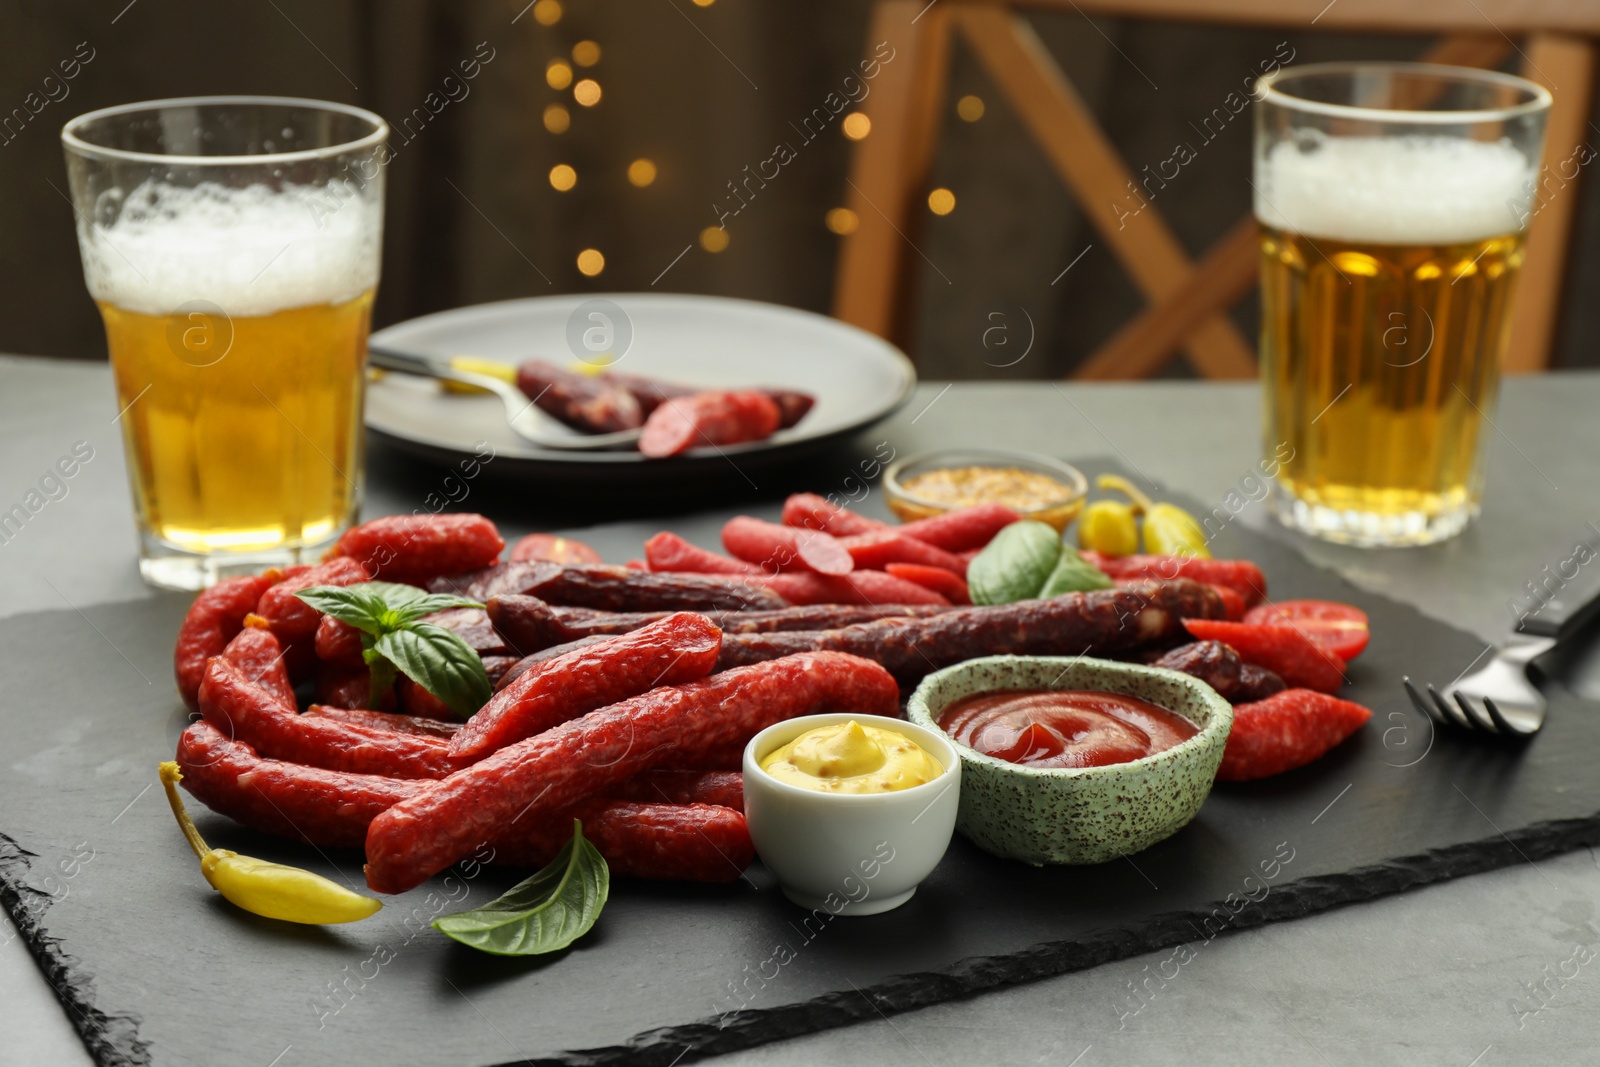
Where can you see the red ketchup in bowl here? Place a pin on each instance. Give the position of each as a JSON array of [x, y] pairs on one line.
[[1064, 728]]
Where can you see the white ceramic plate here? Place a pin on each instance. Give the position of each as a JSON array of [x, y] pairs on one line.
[[857, 378]]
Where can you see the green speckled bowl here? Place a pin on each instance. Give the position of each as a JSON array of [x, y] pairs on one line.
[[1087, 814]]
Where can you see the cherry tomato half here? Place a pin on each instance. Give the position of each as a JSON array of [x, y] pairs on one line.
[[1334, 627]]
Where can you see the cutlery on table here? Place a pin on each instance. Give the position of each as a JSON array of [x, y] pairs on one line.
[[522, 414], [1498, 700]]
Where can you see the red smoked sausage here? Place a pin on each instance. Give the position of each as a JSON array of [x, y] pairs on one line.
[[293, 621], [213, 619], [711, 418], [818, 513], [772, 548], [412, 549], [677, 649], [240, 709], [695, 841], [383, 720], [670, 842], [555, 770]]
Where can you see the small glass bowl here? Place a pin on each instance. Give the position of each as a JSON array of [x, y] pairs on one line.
[[1058, 511]]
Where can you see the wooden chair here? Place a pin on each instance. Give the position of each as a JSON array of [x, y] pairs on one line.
[[1187, 299]]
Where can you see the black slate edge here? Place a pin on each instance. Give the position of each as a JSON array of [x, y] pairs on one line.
[[113, 1040], [747, 1029]]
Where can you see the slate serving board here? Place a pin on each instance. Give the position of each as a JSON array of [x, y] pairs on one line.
[[154, 968]]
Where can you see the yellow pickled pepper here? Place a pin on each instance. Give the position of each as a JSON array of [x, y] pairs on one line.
[[1109, 528], [1168, 529], [264, 888]]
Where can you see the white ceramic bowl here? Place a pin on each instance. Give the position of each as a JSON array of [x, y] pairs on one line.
[[850, 854]]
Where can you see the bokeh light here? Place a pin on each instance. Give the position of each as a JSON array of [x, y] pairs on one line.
[[841, 220], [591, 262], [642, 172], [558, 74], [557, 118], [547, 12], [587, 92], [857, 125], [941, 201], [713, 238], [562, 177], [970, 108], [586, 53]]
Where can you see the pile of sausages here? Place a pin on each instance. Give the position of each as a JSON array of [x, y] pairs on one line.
[[674, 417], [624, 696]]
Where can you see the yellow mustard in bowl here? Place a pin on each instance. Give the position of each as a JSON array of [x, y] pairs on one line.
[[847, 757]]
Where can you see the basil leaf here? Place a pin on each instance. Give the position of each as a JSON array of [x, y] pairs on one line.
[[1014, 565], [546, 913], [440, 662], [398, 597], [351, 604], [427, 605]]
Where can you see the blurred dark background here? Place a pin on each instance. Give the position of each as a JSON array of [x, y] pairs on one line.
[[700, 88]]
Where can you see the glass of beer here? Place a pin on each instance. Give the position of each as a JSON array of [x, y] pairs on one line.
[[232, 245], [1393, 200]]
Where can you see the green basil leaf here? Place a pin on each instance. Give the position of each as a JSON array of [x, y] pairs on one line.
[[350, 603], [1015, 565], [546, 913], [1074, 574], [440, 662], [427, 605]]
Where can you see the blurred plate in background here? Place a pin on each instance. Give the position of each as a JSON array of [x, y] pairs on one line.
[[856, 378]]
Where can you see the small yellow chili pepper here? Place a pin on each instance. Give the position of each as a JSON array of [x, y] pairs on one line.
[[264, 888], [1109, 528], [1168, 529]]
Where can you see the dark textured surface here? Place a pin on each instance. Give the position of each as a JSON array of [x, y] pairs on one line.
[[149, 943]]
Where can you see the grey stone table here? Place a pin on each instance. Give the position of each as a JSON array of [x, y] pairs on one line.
[[1499, 968]]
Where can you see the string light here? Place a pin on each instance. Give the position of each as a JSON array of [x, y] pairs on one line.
[[941, 201], [558, 74], [841, 220], [642, 172], [557, 119], [857, 125], [587, 92], [562, 177], [713, 238], [547, 12], [704, 3], [970, 108], [591, 262], [586, 53]]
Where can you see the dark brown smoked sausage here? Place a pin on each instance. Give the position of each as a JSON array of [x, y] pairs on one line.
[[610, 588], [1095, 623]]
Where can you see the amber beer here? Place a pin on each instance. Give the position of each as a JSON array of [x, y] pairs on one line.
[[232, 247], [1391, 241], [257, 451], [1381, 362]]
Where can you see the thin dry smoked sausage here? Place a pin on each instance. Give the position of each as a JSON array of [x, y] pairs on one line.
[[1095, 623], [555, 770]]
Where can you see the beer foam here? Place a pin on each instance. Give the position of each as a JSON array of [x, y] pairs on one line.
[[1397, 191], [250, 251]]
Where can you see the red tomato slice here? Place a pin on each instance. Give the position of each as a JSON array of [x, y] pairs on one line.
[[1333, 627]]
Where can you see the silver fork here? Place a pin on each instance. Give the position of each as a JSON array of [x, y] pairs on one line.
[[1498, 700], [522, 415]]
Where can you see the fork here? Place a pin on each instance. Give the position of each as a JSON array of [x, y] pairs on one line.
[[522, 415], [1498, 700]]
